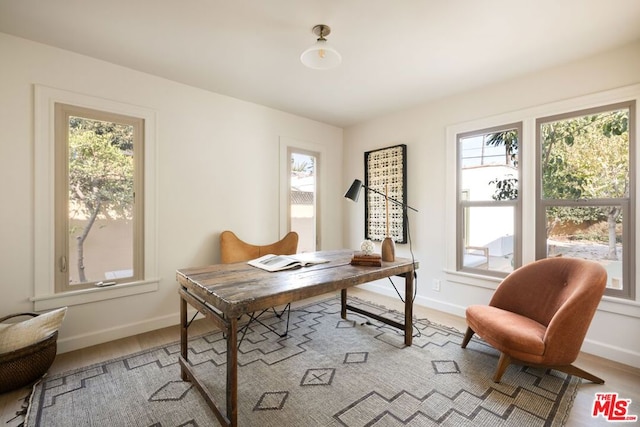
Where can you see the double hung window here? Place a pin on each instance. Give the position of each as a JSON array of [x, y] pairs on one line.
[[488, 200], [572, 194], [586, 183]]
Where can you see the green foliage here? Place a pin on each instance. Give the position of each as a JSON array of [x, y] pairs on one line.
[[117, 134], [586, 158], [510, 141], [582, 157], [577, 215], [506, 188], [100, 175], [101, 171], [617, 124]]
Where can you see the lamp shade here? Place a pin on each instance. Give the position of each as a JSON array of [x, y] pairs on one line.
[[354, 191], [321, 56]]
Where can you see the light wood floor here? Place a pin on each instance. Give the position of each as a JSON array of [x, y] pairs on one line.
[[621, 379]]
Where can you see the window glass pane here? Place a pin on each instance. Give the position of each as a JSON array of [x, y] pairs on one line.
[[592, 232], [101, 196], [488, 238], [489, 165], [586, 157], [303, 200]]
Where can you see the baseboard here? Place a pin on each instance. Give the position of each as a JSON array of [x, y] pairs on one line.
[[77, 342], [456, 310], [610, 352], [596, 348]]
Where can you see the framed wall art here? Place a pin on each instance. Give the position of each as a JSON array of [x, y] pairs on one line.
[[386, 172]]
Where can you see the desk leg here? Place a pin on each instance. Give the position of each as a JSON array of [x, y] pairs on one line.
[[184, 339], [343, 303], [408, 308], [232, 371]]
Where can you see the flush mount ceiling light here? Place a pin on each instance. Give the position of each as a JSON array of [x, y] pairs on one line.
[[321, 56]]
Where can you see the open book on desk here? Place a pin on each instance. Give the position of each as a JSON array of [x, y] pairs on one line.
[[272, 262]]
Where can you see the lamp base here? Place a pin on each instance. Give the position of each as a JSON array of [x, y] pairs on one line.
[[388, 249]]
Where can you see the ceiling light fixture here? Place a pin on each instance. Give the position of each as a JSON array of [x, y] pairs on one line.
[[321, 56]]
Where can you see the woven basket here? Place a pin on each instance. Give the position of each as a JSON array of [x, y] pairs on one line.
[[21, 367]]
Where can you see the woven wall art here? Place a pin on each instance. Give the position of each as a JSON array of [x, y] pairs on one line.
[[386, 172]]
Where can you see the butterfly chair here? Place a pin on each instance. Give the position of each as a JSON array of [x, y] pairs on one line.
[[233, 249], [540, 314]]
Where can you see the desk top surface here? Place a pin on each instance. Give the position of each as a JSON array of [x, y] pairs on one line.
[[240, 288]]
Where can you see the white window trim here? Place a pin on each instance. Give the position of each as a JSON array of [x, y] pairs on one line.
[[527, 147], [44, 165]]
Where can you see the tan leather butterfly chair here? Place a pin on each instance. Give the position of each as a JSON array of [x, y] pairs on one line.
[[540, 314], [233, 249]]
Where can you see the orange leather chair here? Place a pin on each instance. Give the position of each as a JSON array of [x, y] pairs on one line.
[[233, 249], [540, 314]]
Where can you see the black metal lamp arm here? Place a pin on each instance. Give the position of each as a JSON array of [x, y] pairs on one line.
[[404, 205]]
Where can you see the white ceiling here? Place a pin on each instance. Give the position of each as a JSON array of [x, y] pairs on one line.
[[396, 53]]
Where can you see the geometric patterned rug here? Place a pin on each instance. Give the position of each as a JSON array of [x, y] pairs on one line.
[[326, 372]]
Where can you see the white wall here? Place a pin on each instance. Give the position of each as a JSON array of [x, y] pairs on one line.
[[218, 168], [207, 182], [424, 129]]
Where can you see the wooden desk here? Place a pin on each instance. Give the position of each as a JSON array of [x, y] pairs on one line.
[[224, 292]]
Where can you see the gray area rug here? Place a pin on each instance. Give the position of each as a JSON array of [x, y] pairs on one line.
[[326, 372]]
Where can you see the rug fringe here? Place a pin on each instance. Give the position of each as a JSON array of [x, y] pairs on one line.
[[22, 412], [26, 404]]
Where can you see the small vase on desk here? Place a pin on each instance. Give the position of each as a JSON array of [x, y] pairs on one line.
[[388, 249]]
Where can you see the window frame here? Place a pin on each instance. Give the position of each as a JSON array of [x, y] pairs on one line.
[[528, 116], [286, 146], [44, 295], [63, 112], [316, 208], [462, 204], [627, 204]]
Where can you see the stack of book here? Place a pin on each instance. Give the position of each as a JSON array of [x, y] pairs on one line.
[[372, 260]]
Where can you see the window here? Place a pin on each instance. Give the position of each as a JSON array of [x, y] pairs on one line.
[[301, 182], [140, 273], [576, 188], [303, 209], [585, 191], [488, 202], [99, 198]]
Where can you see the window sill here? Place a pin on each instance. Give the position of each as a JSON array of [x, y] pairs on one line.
[[620, 306], [472, 279], [84, 296], [608, 304]]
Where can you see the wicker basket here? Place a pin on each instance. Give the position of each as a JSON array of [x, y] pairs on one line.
[[21, 367]]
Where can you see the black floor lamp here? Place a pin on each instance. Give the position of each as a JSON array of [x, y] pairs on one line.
[[388, 251]]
